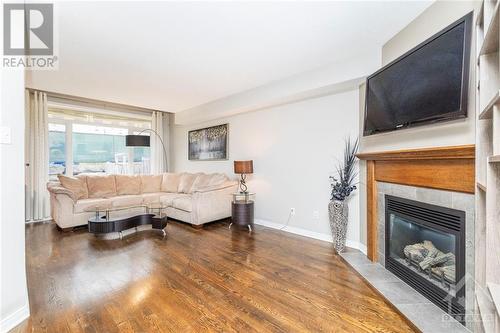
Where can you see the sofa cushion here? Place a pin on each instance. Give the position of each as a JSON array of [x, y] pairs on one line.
[[83, 204], [183, 203], [148, 198], [127, 184], [151, 183], [77, 186], [186, 182], [168, 198], [217, 179], [101, 186], [201, 181], [170, 182], [126, 200]]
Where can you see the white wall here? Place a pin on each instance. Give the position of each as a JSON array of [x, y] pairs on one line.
[[14, 296], [294, 148]]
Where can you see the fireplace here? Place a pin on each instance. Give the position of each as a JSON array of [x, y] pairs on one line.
[[425, 247]]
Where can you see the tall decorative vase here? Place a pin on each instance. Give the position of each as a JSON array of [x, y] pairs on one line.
[[338, 212]]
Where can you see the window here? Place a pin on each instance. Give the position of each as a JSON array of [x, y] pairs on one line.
[[81, 142], [99, 149]]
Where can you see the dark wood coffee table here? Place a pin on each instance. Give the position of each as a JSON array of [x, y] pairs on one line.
[[110, 219]]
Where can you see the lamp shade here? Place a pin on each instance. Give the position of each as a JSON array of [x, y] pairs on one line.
[[137, 141], [243, 167]]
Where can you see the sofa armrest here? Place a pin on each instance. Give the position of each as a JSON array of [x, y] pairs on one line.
[[57, 188], [213, 205], [221, 186], [63, 209]]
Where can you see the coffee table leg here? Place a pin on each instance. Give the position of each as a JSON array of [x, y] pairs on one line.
[[230, 224], [164, 232], [250, 228], [121, 235]]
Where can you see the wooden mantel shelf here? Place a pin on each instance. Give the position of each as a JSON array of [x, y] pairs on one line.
[[444, 168], [441, 153]]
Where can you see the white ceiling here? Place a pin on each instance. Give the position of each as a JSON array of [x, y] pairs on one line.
[[173, 56]]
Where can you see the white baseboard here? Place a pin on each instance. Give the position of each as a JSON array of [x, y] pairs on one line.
[[310, 234], [14, 318]]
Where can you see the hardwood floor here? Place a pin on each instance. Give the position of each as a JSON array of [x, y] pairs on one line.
[[196, 280]]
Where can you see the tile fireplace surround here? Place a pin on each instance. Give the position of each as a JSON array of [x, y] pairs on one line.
[[449, 199], [419, 310], [442, 177]]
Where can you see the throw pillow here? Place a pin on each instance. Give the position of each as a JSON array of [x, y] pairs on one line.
[[151, 183], [77, 186], [170, 182], [128, 184], [101, 186], [186, 182]]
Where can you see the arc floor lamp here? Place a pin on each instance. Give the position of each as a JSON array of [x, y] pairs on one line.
[[138, 140]]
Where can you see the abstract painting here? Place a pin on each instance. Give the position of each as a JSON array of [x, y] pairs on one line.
[[208, 144]]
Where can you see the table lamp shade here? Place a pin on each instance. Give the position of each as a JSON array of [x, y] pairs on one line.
[[137, 141], [243, 167]]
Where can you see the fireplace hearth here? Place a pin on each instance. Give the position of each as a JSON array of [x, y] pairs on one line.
[[425, 247]]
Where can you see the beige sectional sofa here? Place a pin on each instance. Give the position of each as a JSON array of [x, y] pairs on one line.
[[192, 198]]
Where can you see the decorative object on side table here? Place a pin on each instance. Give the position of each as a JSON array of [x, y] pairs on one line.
[[208, 144], [342, 187], [243, 168]]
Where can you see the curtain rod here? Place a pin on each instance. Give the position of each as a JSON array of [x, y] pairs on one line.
[[94, 102]]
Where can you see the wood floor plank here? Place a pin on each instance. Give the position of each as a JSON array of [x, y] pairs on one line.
[[213, 280]]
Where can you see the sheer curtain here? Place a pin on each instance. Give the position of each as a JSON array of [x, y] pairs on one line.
[[37, 156], [158, 158]]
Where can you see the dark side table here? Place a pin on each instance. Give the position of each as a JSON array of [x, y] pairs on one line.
[[242, 210]]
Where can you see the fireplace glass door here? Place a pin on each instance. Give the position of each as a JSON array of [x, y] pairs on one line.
[[427, 252], [425, 247]]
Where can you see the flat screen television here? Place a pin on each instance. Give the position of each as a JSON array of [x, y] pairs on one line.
[[429, 83]]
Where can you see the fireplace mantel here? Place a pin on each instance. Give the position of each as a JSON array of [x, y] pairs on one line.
[[444, 153], [445, 168]]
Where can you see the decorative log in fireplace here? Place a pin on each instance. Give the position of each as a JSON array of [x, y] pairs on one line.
[[432, 264]]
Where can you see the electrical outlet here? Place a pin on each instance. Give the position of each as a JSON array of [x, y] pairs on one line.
[[292, 211], [315, 214]]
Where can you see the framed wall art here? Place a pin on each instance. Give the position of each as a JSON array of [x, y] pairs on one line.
[[208, 144]]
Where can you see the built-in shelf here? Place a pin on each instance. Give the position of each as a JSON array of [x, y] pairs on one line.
[[487, 112], [481, 186], [487, 176], [495, 295], [490, 42], [494, 159]]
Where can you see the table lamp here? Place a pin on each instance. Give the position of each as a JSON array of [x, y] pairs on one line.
[[243, 168]]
